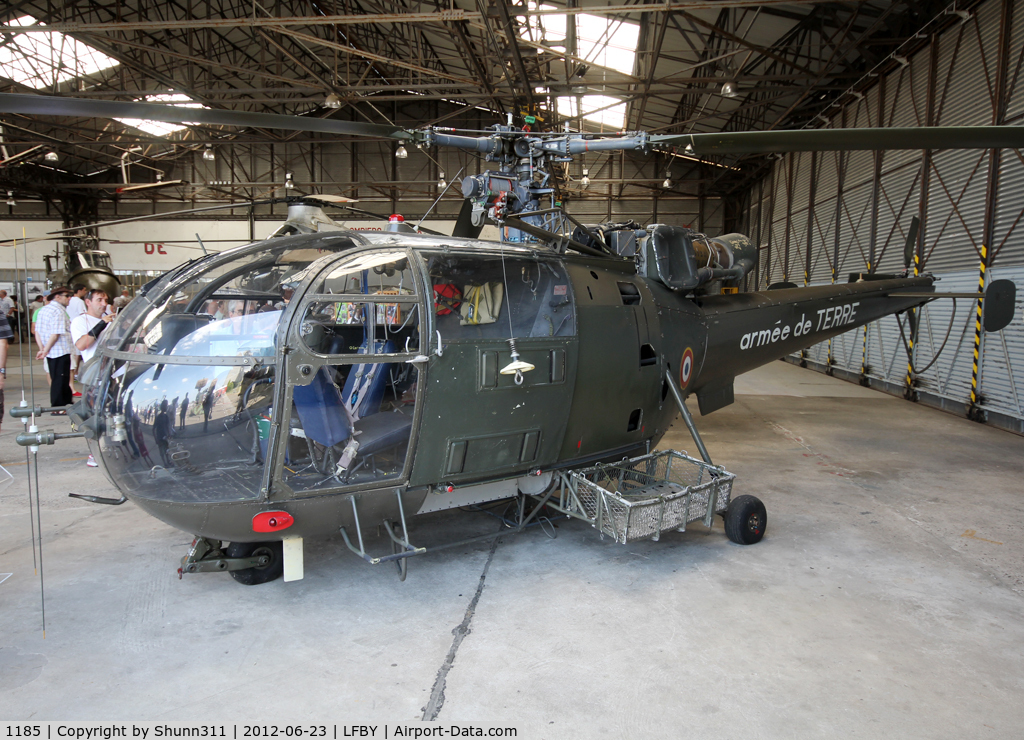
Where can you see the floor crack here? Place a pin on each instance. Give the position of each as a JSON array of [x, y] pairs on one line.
[[433, 707]]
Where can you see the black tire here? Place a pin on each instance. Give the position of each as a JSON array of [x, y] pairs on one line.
[[745, 520], [263, 574]]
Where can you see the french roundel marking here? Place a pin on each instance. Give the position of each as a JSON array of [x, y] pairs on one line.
[[686, 368]]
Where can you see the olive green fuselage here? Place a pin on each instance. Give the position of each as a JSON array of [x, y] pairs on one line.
[[598, 394]]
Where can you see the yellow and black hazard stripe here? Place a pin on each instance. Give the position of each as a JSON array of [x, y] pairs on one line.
[[912, 324], [977, 327]]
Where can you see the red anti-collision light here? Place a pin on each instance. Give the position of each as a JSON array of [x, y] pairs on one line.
[[272, 521], [396, 218]]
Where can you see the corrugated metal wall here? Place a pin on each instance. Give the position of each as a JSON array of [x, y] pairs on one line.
[[858, 206]]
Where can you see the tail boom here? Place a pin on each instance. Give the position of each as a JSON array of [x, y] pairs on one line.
[[747, 330]]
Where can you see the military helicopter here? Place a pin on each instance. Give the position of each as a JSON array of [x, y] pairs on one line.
[[327, 380], [82, 265], [78, 263]]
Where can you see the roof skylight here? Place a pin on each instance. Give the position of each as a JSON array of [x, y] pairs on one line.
[[39, 60], [601, 109], [160, 128], [602, 42]]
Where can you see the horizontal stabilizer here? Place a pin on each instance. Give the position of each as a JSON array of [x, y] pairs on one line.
[[997, 306], [716, 397]]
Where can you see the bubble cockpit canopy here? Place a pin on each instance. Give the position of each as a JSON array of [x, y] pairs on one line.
[[185, 377]]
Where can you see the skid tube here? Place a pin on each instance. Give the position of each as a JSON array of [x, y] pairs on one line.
[[410, 550]]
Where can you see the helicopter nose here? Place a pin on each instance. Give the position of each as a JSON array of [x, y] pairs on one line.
[[100, 281]]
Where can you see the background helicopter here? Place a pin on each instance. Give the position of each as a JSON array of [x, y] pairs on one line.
[[351, 379], [82, 265]]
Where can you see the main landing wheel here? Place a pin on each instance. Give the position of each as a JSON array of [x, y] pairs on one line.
[[263, 573], [745, 520], [402, 563]]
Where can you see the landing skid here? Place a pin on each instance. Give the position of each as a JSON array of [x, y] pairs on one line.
[[403, 549]]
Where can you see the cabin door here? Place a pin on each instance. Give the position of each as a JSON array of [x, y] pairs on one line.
[[479, 423], [352, 378]]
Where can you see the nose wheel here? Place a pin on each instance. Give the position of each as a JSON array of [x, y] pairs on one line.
[[270, 552], [745, 520]]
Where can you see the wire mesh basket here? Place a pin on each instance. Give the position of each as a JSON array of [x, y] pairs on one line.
[[639, 498]]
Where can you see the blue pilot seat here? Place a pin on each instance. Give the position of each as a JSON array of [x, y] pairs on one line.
[[325, 420]]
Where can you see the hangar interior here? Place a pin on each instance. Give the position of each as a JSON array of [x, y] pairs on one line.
[[894, 569]]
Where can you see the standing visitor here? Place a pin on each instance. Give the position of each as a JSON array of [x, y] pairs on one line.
[[54, 328]]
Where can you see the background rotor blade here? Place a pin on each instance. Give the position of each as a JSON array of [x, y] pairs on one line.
[[48, 105], [331, 198], [911, 244], [842, 139], [158, 216]]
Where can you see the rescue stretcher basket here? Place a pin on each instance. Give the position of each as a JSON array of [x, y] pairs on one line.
[[641, 497]]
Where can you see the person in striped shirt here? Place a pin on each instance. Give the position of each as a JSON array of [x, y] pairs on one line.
[[54, 327]]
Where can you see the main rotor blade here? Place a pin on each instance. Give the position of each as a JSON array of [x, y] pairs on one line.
[[159, 216], [50, 105], [846, 139]]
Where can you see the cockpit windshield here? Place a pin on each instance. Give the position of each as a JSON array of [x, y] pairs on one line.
[[189, 373], [226, 296], [92, 259]]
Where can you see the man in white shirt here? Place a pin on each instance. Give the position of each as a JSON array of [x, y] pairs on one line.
[[52, 329], [76, 307], [86, 329]]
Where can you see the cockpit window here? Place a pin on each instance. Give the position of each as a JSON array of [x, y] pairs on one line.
[[490, 297], [192, 425], [375, 297], [234, 335], [233, 308], [94, 260], [188, 433]]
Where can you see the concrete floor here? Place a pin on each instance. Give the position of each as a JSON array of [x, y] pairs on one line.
[[887, 598]]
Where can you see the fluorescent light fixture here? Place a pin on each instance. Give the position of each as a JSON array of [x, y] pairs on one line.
[[150, 186], [39, 60], [160, 128], [23, 156]]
